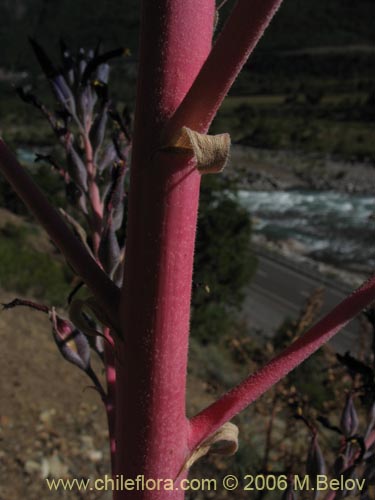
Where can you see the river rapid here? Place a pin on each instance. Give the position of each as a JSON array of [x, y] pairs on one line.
[[331, 227]]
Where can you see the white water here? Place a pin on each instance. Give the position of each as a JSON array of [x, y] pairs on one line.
[[334, 227]]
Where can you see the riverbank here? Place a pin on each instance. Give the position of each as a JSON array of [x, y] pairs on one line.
[[291, 253], [267, 170]]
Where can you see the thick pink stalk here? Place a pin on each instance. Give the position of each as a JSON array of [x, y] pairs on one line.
[[238, 39], [94, 197], [71, 247], [229, 405], [110, 402], [151, 423]]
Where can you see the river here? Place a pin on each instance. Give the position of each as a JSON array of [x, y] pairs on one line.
[[331, 227]]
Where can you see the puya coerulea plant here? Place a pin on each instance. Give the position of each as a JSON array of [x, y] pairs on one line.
[[142, 311]]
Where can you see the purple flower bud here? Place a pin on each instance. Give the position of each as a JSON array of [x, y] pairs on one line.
[[315, 464], [114, 199], [102, 73], [82, 203], [349, 473], [86, 102], [71, 342], [97, 344], [98, 128], [349, 418], [109, 249], [118, 271], [63, 93], [108, 158], [77, 168]]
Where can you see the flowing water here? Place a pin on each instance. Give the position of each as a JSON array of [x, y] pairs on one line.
[[332, 227]]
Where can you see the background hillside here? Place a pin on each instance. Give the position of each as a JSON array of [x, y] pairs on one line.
[[299, 24], [308, 87]]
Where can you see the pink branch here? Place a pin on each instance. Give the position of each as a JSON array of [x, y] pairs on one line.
[[229, 405], [239, 37], [70, 246]]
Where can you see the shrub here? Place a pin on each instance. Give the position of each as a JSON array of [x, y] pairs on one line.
[[224, 262]]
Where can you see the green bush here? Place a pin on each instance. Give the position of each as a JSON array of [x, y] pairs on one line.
[[224, 263], [47, 180], [27, 271]]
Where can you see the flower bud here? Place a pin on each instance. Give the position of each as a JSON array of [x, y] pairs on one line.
[[109, 249], [114, 199], [349, 418], [315, 464], [102, 73], [63, 93], [71, 342], [108, 158], [349, 473], [87, 99], [98, 128], [77, 168]]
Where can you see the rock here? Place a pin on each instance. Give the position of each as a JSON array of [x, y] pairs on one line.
[[54, 467], [44, 470], [46, 416], [32, 467], [95, 456], [87, 442]]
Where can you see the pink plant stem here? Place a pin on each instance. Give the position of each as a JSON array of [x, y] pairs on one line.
[[151, 424], [94, 197], [223, 410], [71, 247], [110, 403], [237, 40]]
